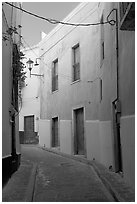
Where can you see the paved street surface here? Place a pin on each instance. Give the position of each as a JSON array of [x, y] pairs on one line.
[[48, 177]]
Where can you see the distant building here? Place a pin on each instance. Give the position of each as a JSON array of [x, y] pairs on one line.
[[87, 104], [11, 30], [30, 104]]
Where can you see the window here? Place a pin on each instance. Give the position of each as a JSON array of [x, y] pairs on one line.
[[101, 92], [55, 75], [102, 41], [55, 136], [76, 63]]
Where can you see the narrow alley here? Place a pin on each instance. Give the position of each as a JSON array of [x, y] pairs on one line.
[[48, 177], [68, 101]]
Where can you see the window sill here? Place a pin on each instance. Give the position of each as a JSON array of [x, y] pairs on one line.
[[54, 91], [75, 81]]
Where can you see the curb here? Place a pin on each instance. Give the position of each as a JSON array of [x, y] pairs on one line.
[[109, 187], [106, 182], [31, 185]]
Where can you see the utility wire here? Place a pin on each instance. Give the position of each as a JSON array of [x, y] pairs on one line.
[[61, 75], [53, 21]]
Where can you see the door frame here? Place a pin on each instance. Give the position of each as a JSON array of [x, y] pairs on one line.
[[55, 116], [33, 122], [117, 141], [73, 129]]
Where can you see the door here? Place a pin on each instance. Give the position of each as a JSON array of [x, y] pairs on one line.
[[55, 142], [29, 129], [79, 132], [117, 141]]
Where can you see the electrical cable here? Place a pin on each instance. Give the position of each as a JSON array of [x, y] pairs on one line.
[[59, 74], [111, 22], [53, 21], [62, 75]]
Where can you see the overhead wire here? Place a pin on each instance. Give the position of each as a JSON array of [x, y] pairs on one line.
[[54, 21], [62, 75]]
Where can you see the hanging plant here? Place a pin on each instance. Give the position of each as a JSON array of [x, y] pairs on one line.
[[18, 67]]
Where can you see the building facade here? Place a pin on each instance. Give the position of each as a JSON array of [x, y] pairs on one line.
[[11, 30], [87, 101], [30, 104]]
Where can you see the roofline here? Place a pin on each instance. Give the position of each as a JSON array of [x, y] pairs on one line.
[[66, 19]]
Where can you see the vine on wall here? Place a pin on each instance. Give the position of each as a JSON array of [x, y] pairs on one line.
[[18, 74]]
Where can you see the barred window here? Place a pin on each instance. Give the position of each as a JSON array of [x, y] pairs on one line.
[[55, 75], [76, 63]]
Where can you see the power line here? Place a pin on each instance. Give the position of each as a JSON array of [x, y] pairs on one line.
[[53, 21], [61, 75]]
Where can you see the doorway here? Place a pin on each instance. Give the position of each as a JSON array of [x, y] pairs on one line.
[[79, 147], [117, 140], [55, 139], [29, 134]]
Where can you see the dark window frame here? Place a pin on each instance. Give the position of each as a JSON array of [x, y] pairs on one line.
[[55, 75], [101, 89], [76, 63], [55, 138]]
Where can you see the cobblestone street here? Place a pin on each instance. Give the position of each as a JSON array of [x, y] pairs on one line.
[[48, 177]]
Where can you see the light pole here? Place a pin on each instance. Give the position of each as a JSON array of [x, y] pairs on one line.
[[30, 66]]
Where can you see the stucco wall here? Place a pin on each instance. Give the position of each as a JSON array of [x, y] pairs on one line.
[[65, 130], [9, 18], [6, 98], [62, 50], [98, 119], [127, 72], [30, 93], [44, 133], [128, 147], [93, 140]]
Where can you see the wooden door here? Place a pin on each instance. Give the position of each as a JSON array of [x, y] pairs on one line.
[[55, 142], [117, 141], [29, 128], [79, 132]]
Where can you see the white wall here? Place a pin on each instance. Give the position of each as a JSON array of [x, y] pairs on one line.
[[65, 131], [127, 132], [9, 18], [98, 113], [92, 140], [106, 143], [44, 133], [30, 93]]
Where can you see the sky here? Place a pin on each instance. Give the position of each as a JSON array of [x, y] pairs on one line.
[[32, 26]]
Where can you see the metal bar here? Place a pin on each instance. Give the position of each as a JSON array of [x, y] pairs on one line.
[[37, 75]]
